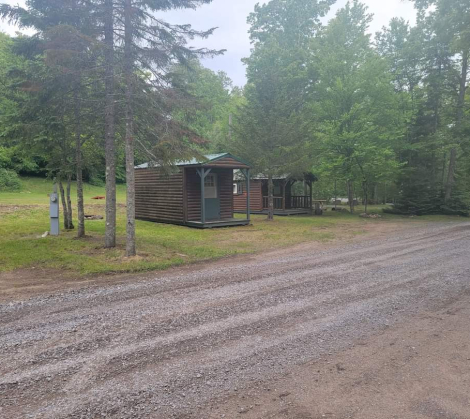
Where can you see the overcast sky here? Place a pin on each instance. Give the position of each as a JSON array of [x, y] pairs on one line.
[[230, 17]]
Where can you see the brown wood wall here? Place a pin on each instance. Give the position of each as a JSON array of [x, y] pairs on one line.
[[256, 197], [193, 194], [193, 188], [159, 197]]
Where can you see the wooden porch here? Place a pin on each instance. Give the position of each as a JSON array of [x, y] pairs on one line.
[[289, 203], [283, 213], [285, 201], [231, 222], [293, 205]]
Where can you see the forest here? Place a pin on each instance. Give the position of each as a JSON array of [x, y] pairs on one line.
[[103, 85]]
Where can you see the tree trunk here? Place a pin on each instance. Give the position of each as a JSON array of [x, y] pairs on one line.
[[451, 175], [270, 198], [110, 146], [458, 126], [366, 195], [336, 193], [130, 171], [64, 205], [443, 175], [351, 196], [79, 168], [69, 202]]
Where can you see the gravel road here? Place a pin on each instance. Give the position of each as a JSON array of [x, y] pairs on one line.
[[173, 345]]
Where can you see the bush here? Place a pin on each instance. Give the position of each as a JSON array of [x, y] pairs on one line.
[[96, 181], [419, 196], [20, 161], [9, 180]]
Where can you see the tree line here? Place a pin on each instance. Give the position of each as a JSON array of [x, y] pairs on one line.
[[377, 117]]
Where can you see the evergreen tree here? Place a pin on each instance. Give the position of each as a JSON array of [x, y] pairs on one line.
[[66, 31], [270, 129], [149, 44]]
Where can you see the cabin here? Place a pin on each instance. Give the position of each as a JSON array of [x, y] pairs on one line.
[[198, 194], [285, 201]]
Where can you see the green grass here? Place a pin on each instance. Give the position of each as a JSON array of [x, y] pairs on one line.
[[35, 191], [24, 218]]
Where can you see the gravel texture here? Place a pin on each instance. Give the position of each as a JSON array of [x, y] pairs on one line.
[[168, 347]]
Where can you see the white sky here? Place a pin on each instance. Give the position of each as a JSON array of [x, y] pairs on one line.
[[230, 17]]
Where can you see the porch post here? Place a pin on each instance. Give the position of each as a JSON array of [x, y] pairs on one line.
[[248, 212], [284, 182], [202, 174], [311, 196]]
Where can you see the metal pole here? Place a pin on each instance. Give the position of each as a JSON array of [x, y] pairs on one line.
[[54, 212]]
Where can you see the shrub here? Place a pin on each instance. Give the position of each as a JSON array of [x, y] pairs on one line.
[[9, 180], [96, 181]]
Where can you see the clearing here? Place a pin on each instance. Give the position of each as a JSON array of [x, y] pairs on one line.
[[24, 218]]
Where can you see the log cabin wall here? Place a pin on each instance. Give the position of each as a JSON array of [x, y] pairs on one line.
[[193, 194], [256, 197], [159, 197]]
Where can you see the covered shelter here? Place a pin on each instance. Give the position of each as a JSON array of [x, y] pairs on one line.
[[285, 201], [199, 194]]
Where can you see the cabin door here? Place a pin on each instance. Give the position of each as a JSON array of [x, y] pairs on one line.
[[212, 196]]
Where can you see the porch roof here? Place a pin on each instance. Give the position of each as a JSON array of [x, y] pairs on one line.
[[239, 176]]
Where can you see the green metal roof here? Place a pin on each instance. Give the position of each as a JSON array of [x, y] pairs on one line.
[[195, 162]]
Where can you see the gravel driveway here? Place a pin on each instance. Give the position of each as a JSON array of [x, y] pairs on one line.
[[174, 345]]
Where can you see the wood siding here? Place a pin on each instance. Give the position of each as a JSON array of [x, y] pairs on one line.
[[177, 198], [256, 197], [159, 197], [193, 195]]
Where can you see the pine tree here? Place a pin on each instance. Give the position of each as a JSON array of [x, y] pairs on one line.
[[66, 31], [151, 45]]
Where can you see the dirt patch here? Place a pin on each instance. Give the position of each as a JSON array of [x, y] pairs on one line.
[[10, 209], [415, 370], [24, 283]]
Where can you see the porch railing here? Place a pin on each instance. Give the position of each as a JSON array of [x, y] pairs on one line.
[[277, 202], [295, 202], [303, 202]]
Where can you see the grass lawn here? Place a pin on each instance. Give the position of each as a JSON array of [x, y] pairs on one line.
[[24, 218]]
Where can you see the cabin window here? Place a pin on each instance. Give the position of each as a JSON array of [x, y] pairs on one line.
[[210, 186], [238, 188]]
